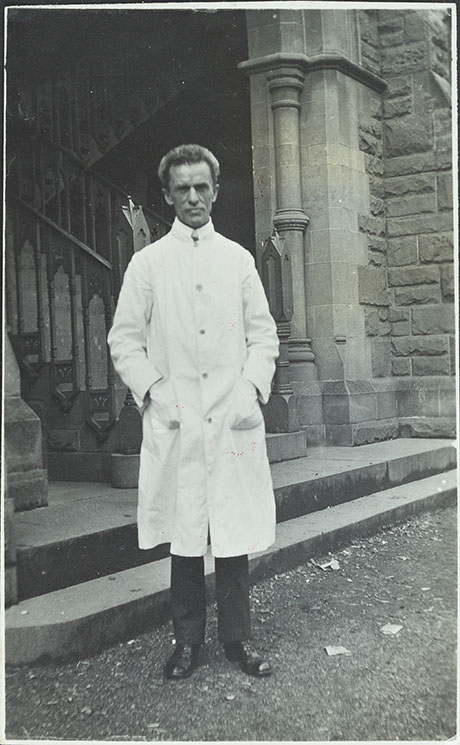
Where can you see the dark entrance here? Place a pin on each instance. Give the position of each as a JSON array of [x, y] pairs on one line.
[[95, 98]]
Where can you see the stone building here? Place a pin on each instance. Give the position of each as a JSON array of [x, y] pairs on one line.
[[333, 129]]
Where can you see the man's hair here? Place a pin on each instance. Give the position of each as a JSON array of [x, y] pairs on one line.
[[185, 155]]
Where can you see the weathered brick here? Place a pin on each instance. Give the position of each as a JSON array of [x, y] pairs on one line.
[[433, 319], [398, 107], [408, 134], [448, 283], [408, 164], [418, 295], [422, 183], [402, 251], [436, 248], [430, 366], [400, 328], [416, 275], [445, 197], [411, 205], [400, 366], [419, 346], [410, 57], [372, 286], [420, 224], [398, 314]]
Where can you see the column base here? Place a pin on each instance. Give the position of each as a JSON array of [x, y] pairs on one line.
[[281, 414]]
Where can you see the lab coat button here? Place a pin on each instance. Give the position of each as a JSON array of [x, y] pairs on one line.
[[199, 287]]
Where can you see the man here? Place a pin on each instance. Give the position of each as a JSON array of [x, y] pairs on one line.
[[194, 340]]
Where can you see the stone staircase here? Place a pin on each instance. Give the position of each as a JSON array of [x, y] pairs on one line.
[[83, 584]]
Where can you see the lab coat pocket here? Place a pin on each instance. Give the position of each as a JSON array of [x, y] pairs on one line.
[[244, 410], [163, 410]]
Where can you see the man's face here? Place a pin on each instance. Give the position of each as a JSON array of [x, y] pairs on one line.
[[191, 192]]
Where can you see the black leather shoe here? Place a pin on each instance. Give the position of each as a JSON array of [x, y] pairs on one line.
[[250, 661], [182, 662]]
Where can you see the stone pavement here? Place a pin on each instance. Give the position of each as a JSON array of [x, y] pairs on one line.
[[389, 687]]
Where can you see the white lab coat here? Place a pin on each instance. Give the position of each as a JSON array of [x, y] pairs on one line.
[[193, 319]]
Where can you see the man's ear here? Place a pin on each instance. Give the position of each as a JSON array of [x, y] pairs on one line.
[[216, 192], [167, 196]]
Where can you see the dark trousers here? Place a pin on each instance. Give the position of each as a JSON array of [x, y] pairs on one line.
[[188, 598]]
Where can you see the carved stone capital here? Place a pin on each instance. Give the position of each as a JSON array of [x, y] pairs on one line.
[[286, 219]]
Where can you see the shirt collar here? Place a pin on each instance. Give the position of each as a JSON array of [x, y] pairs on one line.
[[184, 232]]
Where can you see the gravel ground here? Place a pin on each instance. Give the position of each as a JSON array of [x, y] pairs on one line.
[[390, 687]]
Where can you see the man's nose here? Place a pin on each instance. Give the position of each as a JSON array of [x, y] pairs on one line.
[[192, 195]]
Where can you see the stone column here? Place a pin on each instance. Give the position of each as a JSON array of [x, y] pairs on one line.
[[290, 220]]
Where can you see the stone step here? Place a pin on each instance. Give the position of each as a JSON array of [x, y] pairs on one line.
[[89, 530], [79, 621]]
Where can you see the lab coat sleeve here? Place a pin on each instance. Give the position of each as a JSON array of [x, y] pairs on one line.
[[261, 336], [127, 338]]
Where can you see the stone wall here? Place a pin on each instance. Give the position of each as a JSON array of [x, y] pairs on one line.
[[408, 286]]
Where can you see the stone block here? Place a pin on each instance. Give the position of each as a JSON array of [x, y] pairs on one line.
[[363, 434], [400, 328], [411, 205], [8, 531], [399, 87], [443, 152], [407, 134], [10, 586], [64, 439], [28, 489], [377, 206], [398, 107], [125, 470], [448, 283], [431, 366], [419, 345], [442, 119], [398, 314], [436, 248], [417, 275], [386, 405], [363, 407], [400, 186], [371, 225], [418, 295], [380, 357], [402, 251], [428, 427], [421, 402], [374, 166], [410, 164], [419, 224], [447, 403], [433, 319], [445, 196], [372, 322], [400, 366], [410, 57], [23, 447], [372, 286], [452, 355]]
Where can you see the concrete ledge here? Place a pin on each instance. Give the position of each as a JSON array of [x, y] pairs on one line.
[[65, 544], [82, 620], [286, 446]]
